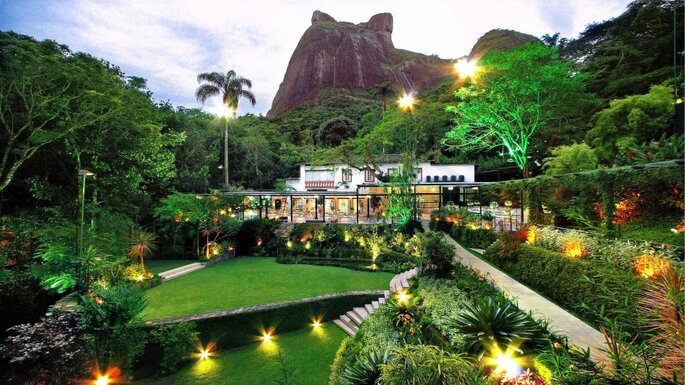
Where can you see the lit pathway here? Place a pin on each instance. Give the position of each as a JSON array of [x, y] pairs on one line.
[[578, 332]]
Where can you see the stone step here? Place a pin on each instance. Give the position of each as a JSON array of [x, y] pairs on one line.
[[375, 304], [381, 300], [362, 312], [177, 269], [354, 317], [167, 275], [369, 308], [404, 282], [386, 294], [347, 328]]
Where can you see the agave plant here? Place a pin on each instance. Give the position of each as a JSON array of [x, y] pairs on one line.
[[142, 245], [489, 324], [366, 369]]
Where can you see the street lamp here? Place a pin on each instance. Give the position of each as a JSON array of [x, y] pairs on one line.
[[83, 174]]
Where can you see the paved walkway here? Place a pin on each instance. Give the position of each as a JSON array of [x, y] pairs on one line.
[[562, 322]]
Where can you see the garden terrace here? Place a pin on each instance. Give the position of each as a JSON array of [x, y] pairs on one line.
[[253, 281]]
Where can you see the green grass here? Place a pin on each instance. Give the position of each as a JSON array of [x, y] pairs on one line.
[[308, 353], [253, 281], [159, 265]]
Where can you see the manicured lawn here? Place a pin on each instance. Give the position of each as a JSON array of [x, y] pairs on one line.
[[310, 353], [159, 265], [253, 281]]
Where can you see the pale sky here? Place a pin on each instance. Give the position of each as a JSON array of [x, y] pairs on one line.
[[169, 42]]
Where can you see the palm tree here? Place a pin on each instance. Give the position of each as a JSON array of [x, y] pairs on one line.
[[230, 87], [384, 90], [142, 245]]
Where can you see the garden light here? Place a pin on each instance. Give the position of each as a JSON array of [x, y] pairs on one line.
[[289, 244], [308, 245], [650, 266], [406, 101], [465, 68], [574, 248], [102, 380], [204, 353], [140, 278], [317, 323], [402, 296], [260, 241], [266, 337], [504, 362], [532, 235]]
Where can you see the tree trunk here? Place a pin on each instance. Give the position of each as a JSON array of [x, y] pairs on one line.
[[226, 154]]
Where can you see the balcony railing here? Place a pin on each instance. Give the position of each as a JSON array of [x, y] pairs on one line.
[[319, 184]]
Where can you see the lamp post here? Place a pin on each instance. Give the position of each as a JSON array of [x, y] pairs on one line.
[[83, 174]]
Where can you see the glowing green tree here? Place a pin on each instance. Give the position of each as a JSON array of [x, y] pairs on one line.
[[515, 95]]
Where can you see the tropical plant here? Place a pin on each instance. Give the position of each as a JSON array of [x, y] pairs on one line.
[[490, 325], [230, 87], [663, 302], [424, 365], [383, 90], [142, 245], [111, 320], [366, 368]]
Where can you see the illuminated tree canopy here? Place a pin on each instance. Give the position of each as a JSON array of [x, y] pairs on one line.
[[515, 95]]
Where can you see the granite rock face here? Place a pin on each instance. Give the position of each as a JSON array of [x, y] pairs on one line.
[[500, 39], [334, 54]]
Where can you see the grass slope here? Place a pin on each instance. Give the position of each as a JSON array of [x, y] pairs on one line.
[[253, 281], [159, 265], [308, 353]]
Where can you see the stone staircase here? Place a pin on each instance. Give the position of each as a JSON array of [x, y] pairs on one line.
[[350, 321], [179, 271]]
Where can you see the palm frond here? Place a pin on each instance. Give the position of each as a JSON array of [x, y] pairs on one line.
[[249, 96], [214, 78], [206, 91]]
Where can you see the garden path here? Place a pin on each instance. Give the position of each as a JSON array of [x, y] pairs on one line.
[[562, 322]]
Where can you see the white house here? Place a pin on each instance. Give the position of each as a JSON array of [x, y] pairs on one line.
[[342, 177]]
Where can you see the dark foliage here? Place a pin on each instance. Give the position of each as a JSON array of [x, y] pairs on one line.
[[52, 351], [436, 254]]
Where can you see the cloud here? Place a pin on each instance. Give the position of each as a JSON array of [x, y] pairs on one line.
[[170, 42]]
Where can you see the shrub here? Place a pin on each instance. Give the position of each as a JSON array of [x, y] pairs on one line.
[[52, 351], [377, 333], [424, 365], [111, 318], [443, 301], [394, 257], [479, 238], [436, 254], [489, 325], [410, 228], [177, 342], [253, 230]]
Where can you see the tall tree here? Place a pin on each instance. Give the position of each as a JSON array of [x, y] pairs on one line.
[[384, 90], [44, 95], [230, 87], [517, 94]]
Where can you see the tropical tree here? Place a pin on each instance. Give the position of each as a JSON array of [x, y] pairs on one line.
[[517, 94], [230, 87], [384, 90], [142, 245]]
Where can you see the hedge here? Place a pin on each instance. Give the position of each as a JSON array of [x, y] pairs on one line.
[[242, 329], [586, 287], [479, 238]]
